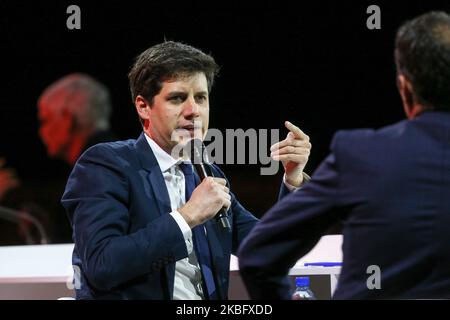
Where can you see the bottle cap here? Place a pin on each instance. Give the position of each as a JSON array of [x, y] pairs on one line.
[[302, 281]]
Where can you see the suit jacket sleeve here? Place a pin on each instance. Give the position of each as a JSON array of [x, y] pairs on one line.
[[290, 230], [97, 201]]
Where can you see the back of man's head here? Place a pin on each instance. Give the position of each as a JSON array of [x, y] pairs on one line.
[[166, 61], [85, 98], [422, 55]]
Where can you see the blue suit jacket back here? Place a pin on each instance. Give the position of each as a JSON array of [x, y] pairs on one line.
[[391, 190]]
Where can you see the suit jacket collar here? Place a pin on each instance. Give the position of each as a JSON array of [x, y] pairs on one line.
[[145, 153], [154, 176], [439, 117]]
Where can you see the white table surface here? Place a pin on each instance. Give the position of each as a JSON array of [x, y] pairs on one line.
[[52, 263]]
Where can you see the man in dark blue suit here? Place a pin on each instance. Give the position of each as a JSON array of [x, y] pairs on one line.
[[141, 227], [390, 188]]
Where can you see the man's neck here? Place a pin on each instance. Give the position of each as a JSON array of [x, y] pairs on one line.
[[416, 110]]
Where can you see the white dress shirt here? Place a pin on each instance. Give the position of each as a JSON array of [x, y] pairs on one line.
[[188, 278]]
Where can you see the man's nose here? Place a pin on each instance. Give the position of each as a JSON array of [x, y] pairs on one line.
[[191, 109]]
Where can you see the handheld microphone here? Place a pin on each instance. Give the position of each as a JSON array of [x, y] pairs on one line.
[[196, 156]]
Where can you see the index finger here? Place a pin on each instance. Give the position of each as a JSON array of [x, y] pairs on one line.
[[299, 134]]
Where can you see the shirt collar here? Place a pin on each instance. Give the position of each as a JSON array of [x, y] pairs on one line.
[[165, 160]]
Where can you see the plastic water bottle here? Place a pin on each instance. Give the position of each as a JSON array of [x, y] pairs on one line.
[[302, 290]]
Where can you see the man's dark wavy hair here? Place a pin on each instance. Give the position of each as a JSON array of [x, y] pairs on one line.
[[165, 61], [422, 54]]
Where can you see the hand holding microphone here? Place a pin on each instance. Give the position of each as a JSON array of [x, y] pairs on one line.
[[210, 198]]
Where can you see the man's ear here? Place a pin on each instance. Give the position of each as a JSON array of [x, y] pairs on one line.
[[406, 92], [142, 107]]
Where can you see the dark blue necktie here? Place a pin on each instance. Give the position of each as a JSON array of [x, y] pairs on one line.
[[201, 245]]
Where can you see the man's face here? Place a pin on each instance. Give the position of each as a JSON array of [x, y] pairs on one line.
[[55, 124], [181, 108]]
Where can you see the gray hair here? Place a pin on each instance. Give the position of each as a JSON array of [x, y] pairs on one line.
[[93, 110]]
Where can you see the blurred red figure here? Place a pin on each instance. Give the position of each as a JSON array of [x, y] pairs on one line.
[[8, 179], [74, 113]]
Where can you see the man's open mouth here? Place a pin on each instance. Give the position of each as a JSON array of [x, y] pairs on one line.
[[190, 127]]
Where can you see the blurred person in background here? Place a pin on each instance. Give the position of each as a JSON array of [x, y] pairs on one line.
[[74, 114]]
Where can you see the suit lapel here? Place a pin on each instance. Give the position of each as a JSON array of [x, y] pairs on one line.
[[154, 175], [160, 192], [161, 195]]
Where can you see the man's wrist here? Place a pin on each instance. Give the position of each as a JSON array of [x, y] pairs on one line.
[[296, 182], [182, 223], [293, 186], [185, 229]]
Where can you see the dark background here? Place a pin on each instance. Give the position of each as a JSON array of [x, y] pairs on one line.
[[313, 63]]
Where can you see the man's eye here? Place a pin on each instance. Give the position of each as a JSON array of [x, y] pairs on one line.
[[201, 99], [176, 99]]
